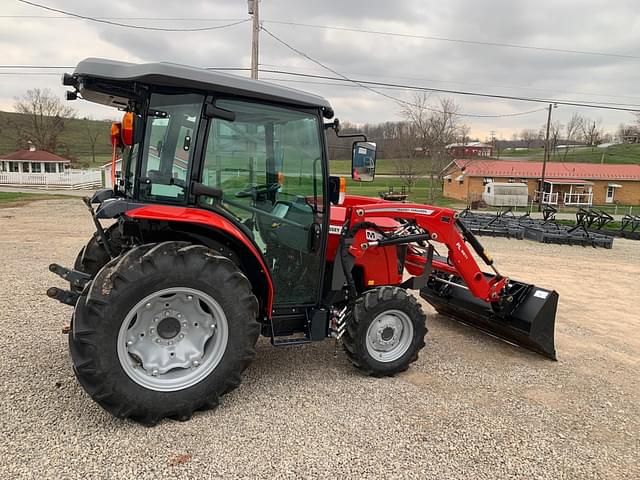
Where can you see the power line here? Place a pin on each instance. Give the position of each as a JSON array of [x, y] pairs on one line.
[[164, 19], [69, 15], [409, 87], [601, 105], [423, 79], [70, 67], [30, 73], [34, 67], [585, 104], [363, 84], [127, 25], [299, 52], [456, 40], [401, 89]]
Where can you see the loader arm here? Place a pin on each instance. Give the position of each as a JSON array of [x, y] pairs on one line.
[[514, 311], [441, 225]]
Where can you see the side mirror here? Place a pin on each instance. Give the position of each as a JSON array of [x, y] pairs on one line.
[[363, 161]]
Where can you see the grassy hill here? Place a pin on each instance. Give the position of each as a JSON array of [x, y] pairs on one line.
[[73, 143]]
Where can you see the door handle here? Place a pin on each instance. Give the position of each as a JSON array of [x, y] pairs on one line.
[[315, 237]]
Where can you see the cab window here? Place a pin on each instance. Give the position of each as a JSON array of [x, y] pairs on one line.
[[172, 121]]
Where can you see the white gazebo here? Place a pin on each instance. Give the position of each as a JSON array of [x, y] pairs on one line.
[[33, 161], [41, 169]]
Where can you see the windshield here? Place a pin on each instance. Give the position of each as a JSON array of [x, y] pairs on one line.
[[270, 150], [172, 122]]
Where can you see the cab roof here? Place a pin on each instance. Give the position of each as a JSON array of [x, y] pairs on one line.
[[192, 78]]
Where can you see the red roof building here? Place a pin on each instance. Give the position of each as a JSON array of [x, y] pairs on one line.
[[472, 149], [566, 183], [33, 161], [559, 170]]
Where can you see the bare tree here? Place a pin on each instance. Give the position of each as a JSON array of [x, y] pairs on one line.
[[93, 132], [409, 169], [592, 132], [554, 136], [573, 129], [463, 134], [46, 116], [417, 113], [528, 135], [434, 127]]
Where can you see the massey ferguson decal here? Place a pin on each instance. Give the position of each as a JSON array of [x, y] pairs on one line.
[[421, 211]]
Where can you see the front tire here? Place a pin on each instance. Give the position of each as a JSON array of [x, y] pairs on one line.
[[163, 331], [385, 331]]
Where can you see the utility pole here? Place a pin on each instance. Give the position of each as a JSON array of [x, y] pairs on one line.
[[544, 162], [493, 142], [253, 6]]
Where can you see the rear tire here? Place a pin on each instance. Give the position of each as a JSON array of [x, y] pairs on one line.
[[385, 331], [142, 378]]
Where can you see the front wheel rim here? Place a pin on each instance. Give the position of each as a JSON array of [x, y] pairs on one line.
[[389, 336], [172, 339]]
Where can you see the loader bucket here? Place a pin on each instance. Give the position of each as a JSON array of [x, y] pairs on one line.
[[528, 321]]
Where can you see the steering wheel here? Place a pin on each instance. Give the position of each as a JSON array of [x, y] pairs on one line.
[[258, 192]]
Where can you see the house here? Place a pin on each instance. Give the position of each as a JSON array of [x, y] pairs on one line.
[[40, 169], [33, 161], [632, 135], [471, 149], [566, 183]]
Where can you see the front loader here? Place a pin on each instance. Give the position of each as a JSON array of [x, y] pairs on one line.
[[226, 225]]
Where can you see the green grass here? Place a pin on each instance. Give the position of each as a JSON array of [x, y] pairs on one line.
[[384, 166], [419, 193], [625, 153], [7, 198]]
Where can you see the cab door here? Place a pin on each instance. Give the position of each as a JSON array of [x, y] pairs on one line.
[[268, 163]]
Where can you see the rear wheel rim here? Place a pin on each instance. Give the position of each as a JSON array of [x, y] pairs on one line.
[[389, 336], [172, 339]]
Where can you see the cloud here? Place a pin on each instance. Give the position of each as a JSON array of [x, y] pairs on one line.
[[587, 25]]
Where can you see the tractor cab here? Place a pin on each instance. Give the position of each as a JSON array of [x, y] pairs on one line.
[[252, 152]]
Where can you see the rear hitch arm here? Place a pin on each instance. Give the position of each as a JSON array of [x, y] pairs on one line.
[[63, 296], [76, 278]]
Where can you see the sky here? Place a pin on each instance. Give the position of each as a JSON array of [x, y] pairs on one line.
[[32, 36]]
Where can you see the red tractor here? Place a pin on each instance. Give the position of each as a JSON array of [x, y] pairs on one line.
[[224, 225]]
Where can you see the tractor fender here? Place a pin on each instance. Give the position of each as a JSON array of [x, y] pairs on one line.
[[215, 227]]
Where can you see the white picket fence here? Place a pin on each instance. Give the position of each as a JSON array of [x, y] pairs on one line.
[[71, 179]]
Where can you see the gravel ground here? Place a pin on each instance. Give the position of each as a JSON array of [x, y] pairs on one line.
[[471, 407]]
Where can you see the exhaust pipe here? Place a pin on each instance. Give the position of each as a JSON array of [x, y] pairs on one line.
[[525, 317]]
